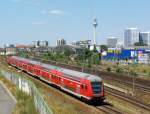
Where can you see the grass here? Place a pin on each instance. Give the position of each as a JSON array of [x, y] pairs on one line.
[[24, 103]]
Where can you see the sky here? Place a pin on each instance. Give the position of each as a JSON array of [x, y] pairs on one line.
[[24, 21]]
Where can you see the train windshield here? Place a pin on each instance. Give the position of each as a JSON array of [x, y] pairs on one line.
[[96, 87]]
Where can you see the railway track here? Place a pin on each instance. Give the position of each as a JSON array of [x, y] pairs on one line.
[[109, 109], [129, 99], [138, 86]]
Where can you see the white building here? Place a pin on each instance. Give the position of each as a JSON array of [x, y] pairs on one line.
[[112, 42], [40, 43], [145, 38], [44, 43], [131, 36], [119, 44], [60, 42]]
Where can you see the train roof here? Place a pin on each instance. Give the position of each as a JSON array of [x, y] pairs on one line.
[[68, 72]]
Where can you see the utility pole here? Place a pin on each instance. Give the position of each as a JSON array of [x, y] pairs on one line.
[[134, 74]]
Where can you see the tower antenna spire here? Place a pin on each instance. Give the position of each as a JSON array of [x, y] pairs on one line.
[[95, 24]]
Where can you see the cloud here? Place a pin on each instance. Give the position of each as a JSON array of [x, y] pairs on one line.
[[38, 23], [56, 12]]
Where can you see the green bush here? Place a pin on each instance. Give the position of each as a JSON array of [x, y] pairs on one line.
[[119, 70], [144, 71], [109, 69], [149, 73], [133, 73]]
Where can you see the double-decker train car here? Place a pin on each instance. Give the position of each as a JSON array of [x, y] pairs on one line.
[[83, 85]]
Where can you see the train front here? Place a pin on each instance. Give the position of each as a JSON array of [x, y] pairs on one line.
[[97, 89]]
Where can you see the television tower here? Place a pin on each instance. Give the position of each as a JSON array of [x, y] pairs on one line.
[[95, 24]]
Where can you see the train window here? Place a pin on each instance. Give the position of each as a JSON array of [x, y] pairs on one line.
[[59, 78], [82, 86], [53, 76], [96, 87], [86, 87]]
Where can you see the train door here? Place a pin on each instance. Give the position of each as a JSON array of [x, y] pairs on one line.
[[44, 74], [78, 89], [59, 80], [36, 72], [54, 78], [24, 67], [49, 77], [85, 89], [62, 82]]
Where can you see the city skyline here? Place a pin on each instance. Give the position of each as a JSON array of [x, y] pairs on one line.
[[23, 21]]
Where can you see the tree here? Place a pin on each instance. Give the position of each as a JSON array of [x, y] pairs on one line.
[[137, 44], [95, 58], [95, 50], [85, 55], [67, 52], [104, 47], [140, 44]]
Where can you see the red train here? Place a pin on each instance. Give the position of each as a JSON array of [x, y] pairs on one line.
[[83, 85]]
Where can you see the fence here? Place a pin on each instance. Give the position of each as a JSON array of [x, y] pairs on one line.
[[29, 88]]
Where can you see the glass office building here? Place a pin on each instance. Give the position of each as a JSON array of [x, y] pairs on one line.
[[131, 36], [145, 38]]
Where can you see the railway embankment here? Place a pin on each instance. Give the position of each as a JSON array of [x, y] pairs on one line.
[[22, 102]]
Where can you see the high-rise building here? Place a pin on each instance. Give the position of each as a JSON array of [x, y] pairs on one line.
[[43, 43], [60, 42], [111, 42], [40, 43], [131, 36], [144, 38]]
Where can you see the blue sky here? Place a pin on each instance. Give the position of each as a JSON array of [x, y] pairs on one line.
[[22, 21]]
